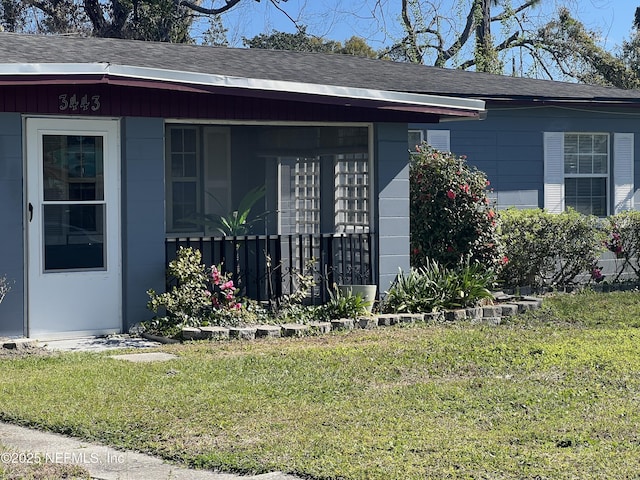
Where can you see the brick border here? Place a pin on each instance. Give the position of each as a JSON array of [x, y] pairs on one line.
[[487, 315]]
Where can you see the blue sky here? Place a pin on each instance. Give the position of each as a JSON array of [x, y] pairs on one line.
[[340, 19]]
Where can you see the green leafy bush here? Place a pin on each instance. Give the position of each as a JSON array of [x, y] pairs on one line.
[[451, 216], [433, 287], [548, 250], [342, 304]]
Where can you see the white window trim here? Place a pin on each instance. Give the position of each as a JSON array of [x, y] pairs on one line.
[[623, 150]]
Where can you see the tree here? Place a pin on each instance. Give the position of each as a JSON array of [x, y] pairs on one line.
[[437, 37], [575, 51], [216, 34], [159, 20], [556, 47], [301, 41]]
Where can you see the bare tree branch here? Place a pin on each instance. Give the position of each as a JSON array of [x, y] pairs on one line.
[[209, 11], [445, 55]]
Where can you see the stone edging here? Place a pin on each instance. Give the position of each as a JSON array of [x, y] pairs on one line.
[[487, 315]]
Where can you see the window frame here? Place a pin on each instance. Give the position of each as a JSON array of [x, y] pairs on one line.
[[171, 180], [606, 176]]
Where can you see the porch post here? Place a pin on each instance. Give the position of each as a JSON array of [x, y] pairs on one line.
[[143, 231], [391, 163]]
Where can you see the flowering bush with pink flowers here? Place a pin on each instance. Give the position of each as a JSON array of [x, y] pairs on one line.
[[201, 296], [452, 219], [623, 240]]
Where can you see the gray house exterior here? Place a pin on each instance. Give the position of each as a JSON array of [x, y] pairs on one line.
[[546, 144], [112, 150]]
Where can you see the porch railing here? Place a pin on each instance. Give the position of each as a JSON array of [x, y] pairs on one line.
[[266, 266]]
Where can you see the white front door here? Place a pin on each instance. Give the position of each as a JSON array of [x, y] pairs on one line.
[[73, 227]]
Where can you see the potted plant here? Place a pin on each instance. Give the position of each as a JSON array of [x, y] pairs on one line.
[[366, 292]]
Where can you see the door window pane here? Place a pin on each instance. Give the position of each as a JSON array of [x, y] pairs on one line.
[[73, 167], [74, 237]]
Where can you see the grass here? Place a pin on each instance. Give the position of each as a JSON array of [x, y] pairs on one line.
[[32, 466], [555, 394]]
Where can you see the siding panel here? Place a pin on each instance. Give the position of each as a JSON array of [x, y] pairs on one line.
[[12, 213]]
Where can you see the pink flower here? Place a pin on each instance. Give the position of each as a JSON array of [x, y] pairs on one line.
[[207, 293], [215, 274], [488, 183], [465, 188], [229, 296], [237, 306], [451, 194], [227, 286], [504, 260]]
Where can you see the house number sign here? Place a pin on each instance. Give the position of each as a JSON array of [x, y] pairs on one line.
[[76, 102]]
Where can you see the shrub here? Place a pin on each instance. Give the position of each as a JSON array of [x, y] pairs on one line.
[[201, 296], [433, 287], [342, 304], [451, 216], [623, 239], [548, 250]]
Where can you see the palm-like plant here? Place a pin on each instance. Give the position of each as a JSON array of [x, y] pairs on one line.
[[237, 222]]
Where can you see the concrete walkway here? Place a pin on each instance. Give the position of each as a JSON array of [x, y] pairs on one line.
[[97, 344], [105, 463]]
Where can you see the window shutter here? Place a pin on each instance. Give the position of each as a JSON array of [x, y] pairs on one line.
[[622, 171], [554, 172], [439, 139]]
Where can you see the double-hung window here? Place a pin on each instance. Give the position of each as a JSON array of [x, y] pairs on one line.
[[586, 172], [591, 172]]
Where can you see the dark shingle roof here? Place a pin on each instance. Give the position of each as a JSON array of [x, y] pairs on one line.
[[324, 69]]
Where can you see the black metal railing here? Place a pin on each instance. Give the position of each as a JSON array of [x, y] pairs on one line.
[[267, 266]]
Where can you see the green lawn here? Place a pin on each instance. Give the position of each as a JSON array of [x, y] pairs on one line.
[[16, 465], [552, 395]]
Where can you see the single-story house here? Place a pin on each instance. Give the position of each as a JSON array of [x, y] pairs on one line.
[[113, 153], [545, 144]]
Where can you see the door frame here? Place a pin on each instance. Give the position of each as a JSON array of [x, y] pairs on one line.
[[113, 213]]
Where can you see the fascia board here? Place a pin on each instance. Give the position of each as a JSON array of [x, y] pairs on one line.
[[195, 78]]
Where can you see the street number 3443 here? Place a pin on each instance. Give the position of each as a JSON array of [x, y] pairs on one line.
[[79, 103]]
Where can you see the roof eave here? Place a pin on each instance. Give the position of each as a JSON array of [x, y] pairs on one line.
[[466, 107]]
